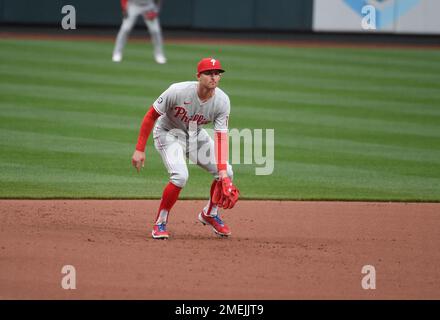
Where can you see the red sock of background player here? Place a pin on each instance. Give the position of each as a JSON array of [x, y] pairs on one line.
[[169, 198], [211, 209]]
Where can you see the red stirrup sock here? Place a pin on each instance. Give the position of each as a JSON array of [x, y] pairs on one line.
[[169, 198], [207, 210]]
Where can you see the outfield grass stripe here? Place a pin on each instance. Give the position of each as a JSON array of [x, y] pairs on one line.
[[399, 58], [127, 122], [84, 118], [337, 71], [75, 94], [348, 122], [366, 149], [299, 71], [348, 177], [248, 81], [311, 102], [103, 132], [96, 103], [363, 98], [377, 164], [275, 51], [86, 78], [28, 172], [426, 96], [301, 119], [384, 113], [364, 60], [299, 52], [80, 104], [122, 104], [413, 55], [66, 126], [254, 63], [336, 85], [100, 64], [102, 71], [86, 85], [72, 130], [249, 65], [413, 142], [52, 142], [102, 162], [263, 98], [301, 112], [432, 98], [275, 98], [350, 84]]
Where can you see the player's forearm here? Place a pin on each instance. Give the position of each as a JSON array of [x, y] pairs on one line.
[[146, 127], [221, 152]]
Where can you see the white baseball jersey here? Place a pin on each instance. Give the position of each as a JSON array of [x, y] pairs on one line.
[[179, 105]]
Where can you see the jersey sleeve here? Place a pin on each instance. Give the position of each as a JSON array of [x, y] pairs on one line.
[[166, 100], [222, 117]]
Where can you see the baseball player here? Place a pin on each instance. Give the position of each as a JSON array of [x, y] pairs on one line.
[[149, 9], [181, 111]]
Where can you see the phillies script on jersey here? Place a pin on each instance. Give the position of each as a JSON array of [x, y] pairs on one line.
[[182, 114]]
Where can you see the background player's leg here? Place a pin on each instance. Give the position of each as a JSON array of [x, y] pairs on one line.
[[156, 39], [124, 31]]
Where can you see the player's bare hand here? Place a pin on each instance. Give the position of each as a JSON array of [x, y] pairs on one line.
[[138, 160]]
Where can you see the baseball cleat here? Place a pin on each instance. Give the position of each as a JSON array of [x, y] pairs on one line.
[[216, 223], [160, 231], [160, 59], [117, 57]]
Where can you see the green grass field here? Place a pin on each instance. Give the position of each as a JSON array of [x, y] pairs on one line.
[[354, 124]]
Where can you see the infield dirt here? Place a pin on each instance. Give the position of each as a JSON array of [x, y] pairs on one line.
[[278, 250]]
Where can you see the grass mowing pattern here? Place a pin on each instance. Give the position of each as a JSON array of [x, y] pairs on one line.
[[352, 124]]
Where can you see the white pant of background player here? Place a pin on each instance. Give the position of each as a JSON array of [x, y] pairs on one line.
[[133, 11], [176, 148]]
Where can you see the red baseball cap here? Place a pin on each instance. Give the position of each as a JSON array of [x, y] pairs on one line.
[[209, 64]]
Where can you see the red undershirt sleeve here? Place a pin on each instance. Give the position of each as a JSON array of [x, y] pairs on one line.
[[221, 149], [146, 127]]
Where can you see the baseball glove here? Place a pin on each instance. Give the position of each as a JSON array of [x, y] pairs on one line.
[[225, 194]]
